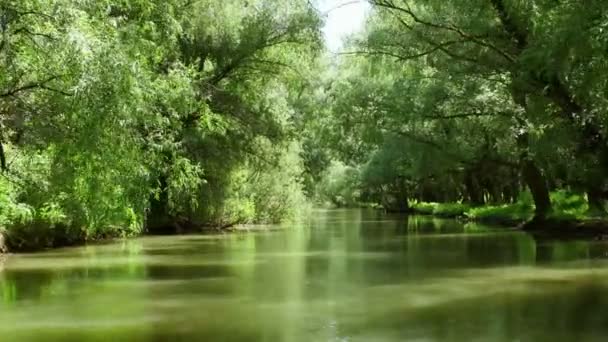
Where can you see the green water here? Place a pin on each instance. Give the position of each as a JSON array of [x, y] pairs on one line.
[[341, 276]]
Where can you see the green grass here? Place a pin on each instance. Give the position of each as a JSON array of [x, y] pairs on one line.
[[451, 209], [424, 208], [440, 209], [506, 212], [566, 206], [569, 206]]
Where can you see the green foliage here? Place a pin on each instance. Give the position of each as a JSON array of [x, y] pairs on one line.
[[339, 186], [569, 205], [440, 209], [10, 210], [474, 102], [517, 212], [277, 190], [451, 209], [267, 193], [118, 117], [566, 205], [424, 208]]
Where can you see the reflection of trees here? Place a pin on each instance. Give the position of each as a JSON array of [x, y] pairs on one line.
[[566, 314], [72, 288], [352, 272]]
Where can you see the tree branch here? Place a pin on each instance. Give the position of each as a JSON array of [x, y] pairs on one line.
[[30, 12], [26, 31], [520, 36], [463, 116], [403, 57], [35, 85], [477, 39]]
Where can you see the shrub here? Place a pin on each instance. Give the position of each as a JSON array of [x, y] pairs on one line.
[[440, 209], [451, 209], [568, 205], [506, 212], [425, 208], [340, 186]]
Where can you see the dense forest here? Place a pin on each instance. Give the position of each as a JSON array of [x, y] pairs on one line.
[[121, 117], [487, 108]]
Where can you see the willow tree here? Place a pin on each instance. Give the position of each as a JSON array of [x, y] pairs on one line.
[[547, 52], [445, 129], [248, 59], [116, 116]]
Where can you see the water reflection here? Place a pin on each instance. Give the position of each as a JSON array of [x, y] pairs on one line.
[[343, 276]]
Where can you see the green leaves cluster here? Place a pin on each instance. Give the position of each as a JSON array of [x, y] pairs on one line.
[[475, 100], [120, 116]]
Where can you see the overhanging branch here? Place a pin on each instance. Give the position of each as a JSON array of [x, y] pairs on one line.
[[477, 39], [401, 57], [44, 84]]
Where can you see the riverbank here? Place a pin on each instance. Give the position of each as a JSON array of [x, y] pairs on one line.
[[568, 220], [34, 237], [158, 285], [506, 215], [565, 222], [37, 237]]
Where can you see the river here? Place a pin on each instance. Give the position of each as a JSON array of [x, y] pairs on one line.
[[343, 275]]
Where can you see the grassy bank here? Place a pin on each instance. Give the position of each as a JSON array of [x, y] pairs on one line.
[[568, 209]]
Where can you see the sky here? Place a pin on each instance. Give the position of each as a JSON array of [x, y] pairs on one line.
[[344, 17]]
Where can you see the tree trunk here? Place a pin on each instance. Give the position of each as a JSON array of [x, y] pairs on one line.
[[595, 197], [473, 191], [397, 200], [535, 180], [593, 141], [158, 219], [2, 158], [511, 191], [395, 203], [532, 175]]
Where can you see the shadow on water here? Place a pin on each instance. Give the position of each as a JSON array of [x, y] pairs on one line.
[[353, 275]]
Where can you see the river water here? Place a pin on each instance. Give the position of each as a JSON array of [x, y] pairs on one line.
[[344, 275]]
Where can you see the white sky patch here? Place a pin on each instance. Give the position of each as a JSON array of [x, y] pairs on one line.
[[344, 17]]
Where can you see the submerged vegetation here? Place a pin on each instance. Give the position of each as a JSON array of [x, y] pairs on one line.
[[124, 117]]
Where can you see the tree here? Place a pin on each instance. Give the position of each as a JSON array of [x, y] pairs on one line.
[[118, 117], [493, 61]]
